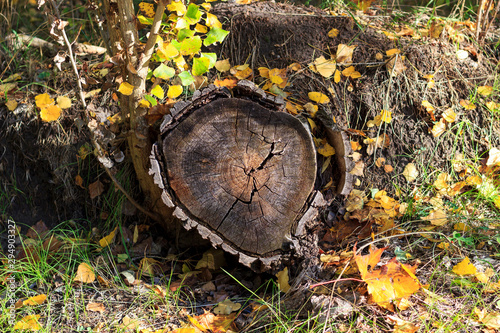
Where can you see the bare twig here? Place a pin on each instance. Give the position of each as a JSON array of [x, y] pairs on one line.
[[94, 141]]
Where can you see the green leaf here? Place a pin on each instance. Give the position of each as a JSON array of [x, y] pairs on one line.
[[150, 99], [193, 14], [212, 57], [184, 33], [164, 72], [215, 35], [144, 20], [200, 65], [158, 92], [191, 46], [186, 78]]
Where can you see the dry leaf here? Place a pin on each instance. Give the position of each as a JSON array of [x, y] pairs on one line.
[[467, 104], [326, 150], [63, 102], [395, 66], [50, 113], [358, 169], [324, 67], [96, 307], [126, 88], [11, 105], [485, 90], [84, 274], [108, 239], [333, 33], [351, 72], [465, 267], [29, 322], [410, 172], [35, 300], [96, 189], [344, 53], [436, 217], [462, 54], [438, 128], [493, 157], [318, 97], [442, 180], [449, 115], [489, 319], [223, 65], [379, 162], [226, 307], [283, 280], [392, 52], [388, 168]]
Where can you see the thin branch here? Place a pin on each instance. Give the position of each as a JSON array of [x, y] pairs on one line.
[[94, 141]]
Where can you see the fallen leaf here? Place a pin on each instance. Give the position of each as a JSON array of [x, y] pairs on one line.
[[84, 274], [148, 266], [492, 106], [96, 307], [35, 300], [410, 172], [493, 157], [318, 97], [442, 180], [311, 108], [29, 322], [391, 282], [396, 66], [324, 67], [436, 217], [379, 162], [449, 115], [226, 307], [388, 168], [229, 83], [485, 90], [467, 104], [351, 72], [174, 91], [223, 65], [105, 241], [465, 267], [489, 319], [43, 100], [438, 128], [333, 33], [11, 105], [96, 189], [392, 52], [283, 280], [63, 102], [358, 169], [344, 53], [337, 77], [50, 113], [326, 150]]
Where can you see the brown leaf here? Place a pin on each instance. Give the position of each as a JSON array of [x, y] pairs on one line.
[[96, 307], [39, 230], [85, 274], [96, 189]]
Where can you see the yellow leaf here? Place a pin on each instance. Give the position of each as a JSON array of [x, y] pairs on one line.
[[295, 66], [168, 51], [275, 76], [392, 52], [322, 66], [174, 91], [386, 116], [460, 226], [84, 274], [144, 104], [344, 53], [442, 180], [318, 97], [28, 323], [311, 108], [158, 92], [326, 150], [226, 307], [108, 239], [485, 90], [333, 33], [465, 267], [213, 21], [283, 280], [178, 7], [11, 105], [436, 217], [351, 72], [312, 124], [64, 102], [428, 106], [35, 300], [410, 172], [438, 128], [467, 104], [336, 77], [147, 9], [50, 113], [492, 106], [449, 115], [43, 100], [126, 88], [96, 307], [200, 28]]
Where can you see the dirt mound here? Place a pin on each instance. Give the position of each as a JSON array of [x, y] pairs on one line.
[[276, 35]]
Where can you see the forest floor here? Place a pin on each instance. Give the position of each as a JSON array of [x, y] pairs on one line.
[[418, 98]]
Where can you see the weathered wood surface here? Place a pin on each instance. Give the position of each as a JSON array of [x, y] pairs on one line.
[[240, 171]]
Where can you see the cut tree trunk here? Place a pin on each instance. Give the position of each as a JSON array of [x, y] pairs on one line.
[[240, 171]]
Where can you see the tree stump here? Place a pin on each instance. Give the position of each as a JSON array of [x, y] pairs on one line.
[[239, 170]]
